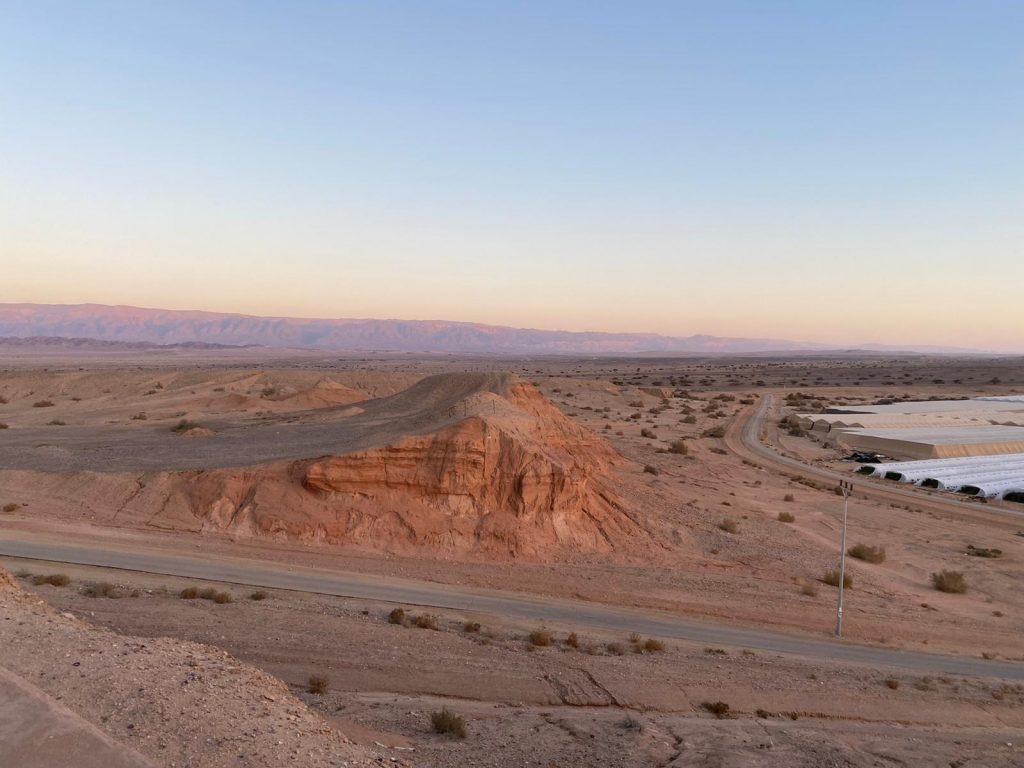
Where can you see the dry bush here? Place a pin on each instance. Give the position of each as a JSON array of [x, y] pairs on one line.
[[789, 497], [207, 593], [892, 683], [425, 621], [786, 517], [729, 526], [447, 722], [810, 590], [715, 432], [56, 423], [867, 553], [678, 447], [53, 579], [717, 708], [139, 417], [572, 640], [471, 626], [42, 404], [223, 597], [397, 616], [3, 426], [648, 433], [630, 723], [653, 646], [615, 649], [650, 469], [10, 507], [539, 637], [258, 596], [317, 684], [691, 419], [185, 425], [189, 593], [950, 581], [101, 589], [832, 579]]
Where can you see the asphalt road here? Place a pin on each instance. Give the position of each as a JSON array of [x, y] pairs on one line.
[[507, 605]]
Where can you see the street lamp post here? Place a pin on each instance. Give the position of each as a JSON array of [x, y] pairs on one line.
[[847, 489]]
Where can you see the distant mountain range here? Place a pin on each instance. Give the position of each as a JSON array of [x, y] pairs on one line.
[[173, 327]]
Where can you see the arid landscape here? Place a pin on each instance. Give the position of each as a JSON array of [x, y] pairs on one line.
[[616, 562]]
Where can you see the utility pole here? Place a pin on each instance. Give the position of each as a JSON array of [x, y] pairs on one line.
[[847, 489]]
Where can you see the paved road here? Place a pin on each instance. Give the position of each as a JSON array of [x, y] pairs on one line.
[[744, 438], [504, 604]]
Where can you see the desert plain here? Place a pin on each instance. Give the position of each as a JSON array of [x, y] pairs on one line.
[[263, 558]]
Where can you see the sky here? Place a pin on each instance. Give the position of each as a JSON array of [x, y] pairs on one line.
[[820, 171]]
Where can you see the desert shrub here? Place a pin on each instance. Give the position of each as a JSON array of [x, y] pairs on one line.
[[258, 596], [189, 593], [691, 419], [53, 579], [208, 593], [223, 597], [717, 708], [539, 637], [810, 590], [949, 581], [101, 589], [3, 426], [867, 553], [425, 621], [653, 646], [715, 432], [832, 579], [615, 649], [786, 517], [789, 497], [648, 433], [184, 426], [139, 417], [447, 722], [42, 404], [729, 526], [471, 626], [397, 616], [3, 400], [892, 683], [678, 447], [630, 723], [56, 423], [572, 640], [650, 469], [983, 551], [10, 507], [317, 684]]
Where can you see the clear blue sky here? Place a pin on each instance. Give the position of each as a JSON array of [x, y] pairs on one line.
[[816, 170]]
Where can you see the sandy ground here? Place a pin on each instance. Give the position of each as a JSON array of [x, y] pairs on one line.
[[721, 552], [563, 705]]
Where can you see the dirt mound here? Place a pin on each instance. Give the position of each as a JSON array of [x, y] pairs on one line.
[[467, 464], [323, 394], [180, 703]]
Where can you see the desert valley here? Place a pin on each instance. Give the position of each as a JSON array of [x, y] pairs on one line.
[[300, 558]]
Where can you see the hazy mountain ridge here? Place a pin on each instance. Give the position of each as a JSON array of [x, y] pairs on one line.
[[177, 327]]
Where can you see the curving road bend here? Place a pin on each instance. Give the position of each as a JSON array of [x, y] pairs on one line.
[[744, 439], [507, 605]]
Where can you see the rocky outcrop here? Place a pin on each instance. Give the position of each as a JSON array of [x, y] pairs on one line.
[[467, 465]]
